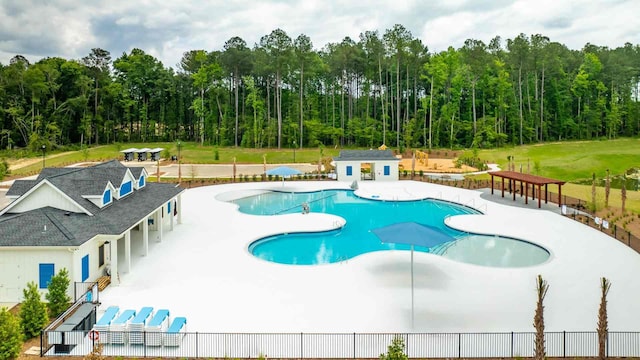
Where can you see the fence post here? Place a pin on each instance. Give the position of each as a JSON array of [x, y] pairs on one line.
[[459, 345], [301, 346], [144, 342], [628, 238], [197, 344], [406, 346], [512, 344], [41, 343], [354, 345], [564, 344]]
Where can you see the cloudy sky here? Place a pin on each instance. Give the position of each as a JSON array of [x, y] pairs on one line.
[[168, 28]]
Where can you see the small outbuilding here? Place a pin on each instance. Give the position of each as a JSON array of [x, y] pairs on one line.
[[356, 165], [128, 154]]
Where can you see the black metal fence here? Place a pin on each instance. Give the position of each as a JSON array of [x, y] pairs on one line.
[[345, 345]]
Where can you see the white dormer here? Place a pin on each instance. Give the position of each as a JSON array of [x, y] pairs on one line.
[[105, 198], [126, 186], [142, 179]]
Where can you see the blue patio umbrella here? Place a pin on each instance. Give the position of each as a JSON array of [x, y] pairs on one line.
[[414, 234], [283, 171]]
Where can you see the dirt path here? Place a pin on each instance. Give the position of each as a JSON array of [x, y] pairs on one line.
[[20, 163], [437, 166]]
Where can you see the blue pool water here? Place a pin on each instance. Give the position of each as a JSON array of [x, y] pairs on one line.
[[362, 216]]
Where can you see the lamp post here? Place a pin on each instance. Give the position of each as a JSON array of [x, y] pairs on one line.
[[179, 163], [44, 150], [294, 150]]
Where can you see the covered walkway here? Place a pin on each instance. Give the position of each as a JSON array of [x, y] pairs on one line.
[[526, 181]]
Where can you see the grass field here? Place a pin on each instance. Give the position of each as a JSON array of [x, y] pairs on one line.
[[569, 161]]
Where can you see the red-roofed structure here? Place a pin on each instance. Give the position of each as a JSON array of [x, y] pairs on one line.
[[526, 180]]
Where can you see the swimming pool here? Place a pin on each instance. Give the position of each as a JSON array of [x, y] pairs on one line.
[[362, 216]]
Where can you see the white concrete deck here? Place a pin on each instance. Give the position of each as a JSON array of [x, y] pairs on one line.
[[203, 271]]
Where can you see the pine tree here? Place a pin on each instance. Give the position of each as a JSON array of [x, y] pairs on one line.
[[10, 335], [603, 323], [538, 320], [57, 296], [33, 312]]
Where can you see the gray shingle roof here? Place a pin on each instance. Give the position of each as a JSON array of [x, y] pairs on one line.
[[72, 229], [20, 187], [49, 172], [365, 155], [136, 171]]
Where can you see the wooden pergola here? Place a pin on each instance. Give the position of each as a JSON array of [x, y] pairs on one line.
[[526, 180]]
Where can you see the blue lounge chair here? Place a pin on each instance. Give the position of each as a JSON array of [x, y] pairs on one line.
[[136, 326], [102, 326], [155, 327], [119, 326], [175, 333]]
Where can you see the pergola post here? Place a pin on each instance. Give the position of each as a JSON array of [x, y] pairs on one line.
[[560, 195], [526, 193], [491, 184], [513, 188], [539, 197], [546, 193], [502, 186]]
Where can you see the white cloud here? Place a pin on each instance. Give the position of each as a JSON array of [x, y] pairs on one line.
[[166, 29]]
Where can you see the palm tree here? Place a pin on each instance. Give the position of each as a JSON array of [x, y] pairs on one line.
[[603, 323], [538, 320]]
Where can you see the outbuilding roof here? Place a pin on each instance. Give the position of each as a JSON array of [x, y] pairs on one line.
[[365, 155]]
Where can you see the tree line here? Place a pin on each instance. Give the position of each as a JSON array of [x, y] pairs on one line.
[[282, 92]]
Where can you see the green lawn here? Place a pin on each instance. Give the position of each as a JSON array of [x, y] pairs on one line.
[[191, 153], [571, 161]]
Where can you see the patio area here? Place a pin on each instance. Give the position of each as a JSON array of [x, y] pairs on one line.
[[203, 271]]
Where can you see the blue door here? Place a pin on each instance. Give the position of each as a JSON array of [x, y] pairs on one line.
[[387, 170], [85, 267], [349, 170], [46, 273]]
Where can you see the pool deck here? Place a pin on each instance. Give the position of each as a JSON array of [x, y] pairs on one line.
[[203, 271]]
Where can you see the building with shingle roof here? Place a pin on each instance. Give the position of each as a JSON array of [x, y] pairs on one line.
[[355, 165], [89, 220]]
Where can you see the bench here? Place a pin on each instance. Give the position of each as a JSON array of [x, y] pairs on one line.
[[103, 282]]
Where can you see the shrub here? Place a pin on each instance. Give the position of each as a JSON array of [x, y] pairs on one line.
[[10, 335], [33, 312], [57, 295], [395, 351], [4, 169]]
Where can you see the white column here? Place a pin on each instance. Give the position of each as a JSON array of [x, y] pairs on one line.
[[115, 280], [160, 222], [179, 208], [145, 236], [171, 216], [127, 251]]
